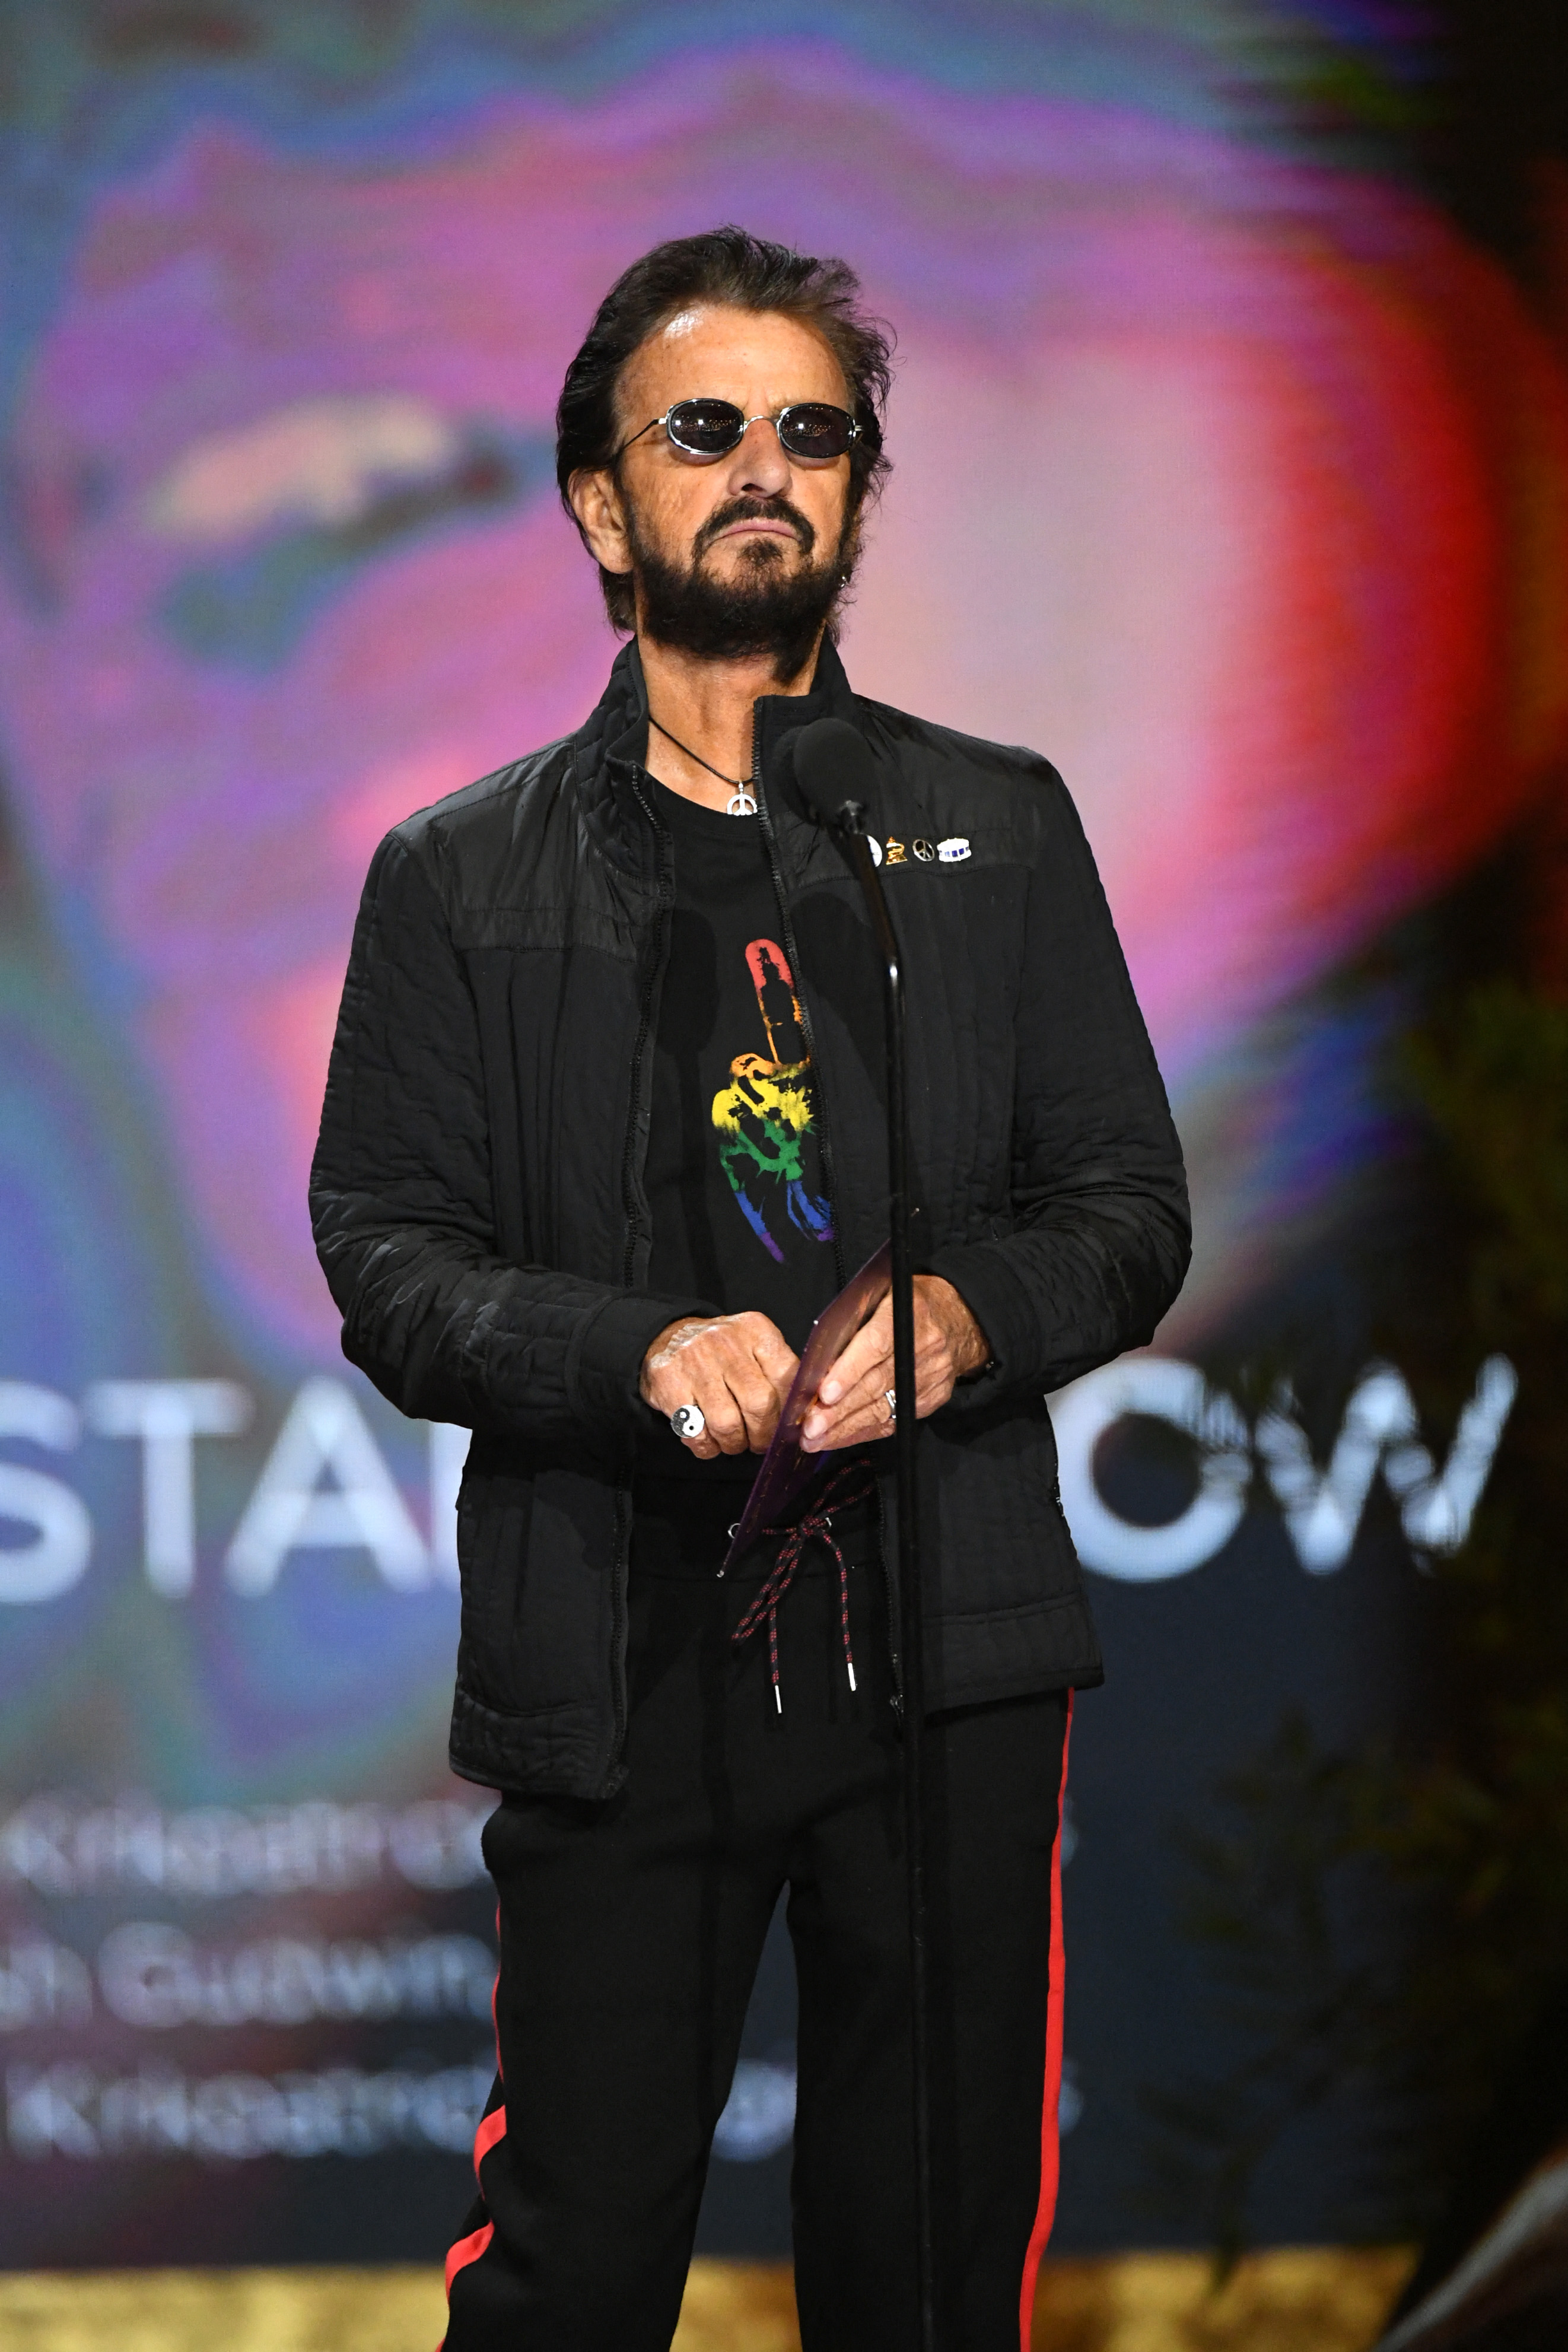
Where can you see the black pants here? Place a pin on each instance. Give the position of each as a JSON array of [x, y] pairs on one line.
[[630, 1937]]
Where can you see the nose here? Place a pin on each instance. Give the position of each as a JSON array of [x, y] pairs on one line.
[[757, 465]]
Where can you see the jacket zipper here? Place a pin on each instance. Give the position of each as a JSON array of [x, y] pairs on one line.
[[621, 1565], [776, 869], [770, 843]]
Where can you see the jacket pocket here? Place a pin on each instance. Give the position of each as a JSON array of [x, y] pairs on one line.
[[536, 1550], [1004, 1541], [495, 1516]]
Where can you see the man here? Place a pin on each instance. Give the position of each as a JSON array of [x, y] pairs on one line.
[[604, 1133]]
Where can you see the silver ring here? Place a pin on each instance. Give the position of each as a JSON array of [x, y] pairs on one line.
[[688, 1421], [891, 1396]]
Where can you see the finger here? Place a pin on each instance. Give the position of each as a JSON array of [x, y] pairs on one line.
[[855, 1396], [871, 1344], [867, 1400], [863, 1427], [758, 1401], [770, 1349], [854, 1388], [780, 1378], [725, 1417], [704, 1446], [670, 1390], [859, 1417], [699, 1381]]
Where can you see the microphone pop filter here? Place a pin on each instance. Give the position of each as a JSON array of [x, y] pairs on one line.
[[832, 765]]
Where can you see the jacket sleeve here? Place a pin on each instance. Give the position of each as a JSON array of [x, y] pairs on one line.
[[1102, 1235], [402, 1208]]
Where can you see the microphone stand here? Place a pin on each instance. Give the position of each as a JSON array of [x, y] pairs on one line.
[[852, 828]]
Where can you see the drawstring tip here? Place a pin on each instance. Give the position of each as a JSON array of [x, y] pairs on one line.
[[852, 1677], [778, 1698]]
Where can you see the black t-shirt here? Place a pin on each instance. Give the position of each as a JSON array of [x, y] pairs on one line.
[[734, 1177]]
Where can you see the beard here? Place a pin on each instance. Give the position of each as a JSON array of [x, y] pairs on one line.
[[770, 606]]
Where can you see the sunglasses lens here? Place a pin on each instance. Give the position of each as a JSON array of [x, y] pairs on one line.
[[706, 427], [813, 429]]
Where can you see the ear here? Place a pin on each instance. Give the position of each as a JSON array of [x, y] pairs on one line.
[[600, 517]]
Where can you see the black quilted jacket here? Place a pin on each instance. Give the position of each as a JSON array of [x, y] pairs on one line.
[[479, 1212]]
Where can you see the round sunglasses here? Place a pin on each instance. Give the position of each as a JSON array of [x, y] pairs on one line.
[[711, 428]]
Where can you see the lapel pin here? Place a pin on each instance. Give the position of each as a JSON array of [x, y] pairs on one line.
[[950, 850], [923, 851], [895, 853]]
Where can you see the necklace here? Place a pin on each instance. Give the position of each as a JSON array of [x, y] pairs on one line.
[[742, 800]]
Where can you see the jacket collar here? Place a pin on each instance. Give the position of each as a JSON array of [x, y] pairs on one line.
[[605, 750], [778, 715], [612, 744]]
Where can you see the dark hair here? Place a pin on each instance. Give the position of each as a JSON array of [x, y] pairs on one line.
[[730, 266]]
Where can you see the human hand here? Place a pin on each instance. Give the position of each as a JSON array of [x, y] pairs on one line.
[[736, 1368], [851, 1404]]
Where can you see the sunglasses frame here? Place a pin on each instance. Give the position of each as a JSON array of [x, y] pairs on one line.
[[855, 431]]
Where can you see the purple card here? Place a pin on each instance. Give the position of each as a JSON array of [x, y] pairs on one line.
[[786, 1471]]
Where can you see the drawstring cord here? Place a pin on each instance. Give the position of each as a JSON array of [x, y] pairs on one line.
[[849, 1486]]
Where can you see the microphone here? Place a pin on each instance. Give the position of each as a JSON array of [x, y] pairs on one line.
[[835, 773]]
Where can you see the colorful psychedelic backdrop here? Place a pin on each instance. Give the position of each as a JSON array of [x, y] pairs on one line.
[[1227, 473]]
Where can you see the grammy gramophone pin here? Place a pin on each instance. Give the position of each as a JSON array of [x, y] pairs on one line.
[[951, 852]]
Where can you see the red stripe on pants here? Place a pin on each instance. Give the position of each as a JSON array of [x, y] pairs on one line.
[[466, 2250], [1050, 2139], [492, 2128]]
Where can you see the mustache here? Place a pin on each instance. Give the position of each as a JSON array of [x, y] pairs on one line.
[[775, 510]]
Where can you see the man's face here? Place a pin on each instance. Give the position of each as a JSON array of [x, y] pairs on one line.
[[732, 554]]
